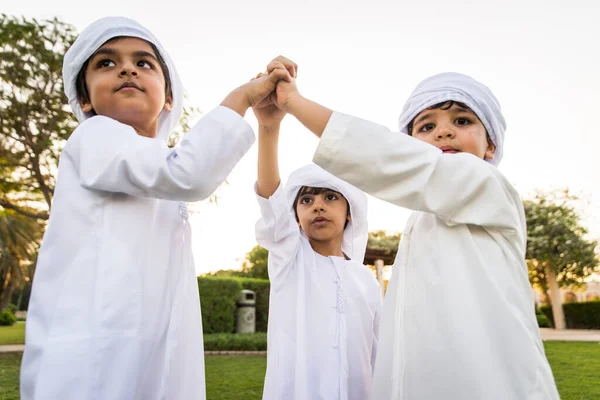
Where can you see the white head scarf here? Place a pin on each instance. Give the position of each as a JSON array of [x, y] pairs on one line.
[[464, 89], [91, 39], [354, 243]]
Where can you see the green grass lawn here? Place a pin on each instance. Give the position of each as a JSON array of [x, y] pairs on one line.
[[576, 367], [13, 334], [235, 377]]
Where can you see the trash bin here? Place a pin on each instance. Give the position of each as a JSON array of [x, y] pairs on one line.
[[246, 315]]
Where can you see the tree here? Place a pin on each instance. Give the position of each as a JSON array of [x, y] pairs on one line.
[[256, 263], [35, 120], [381, 247], [558, 252], [19, 238], [381, 240]]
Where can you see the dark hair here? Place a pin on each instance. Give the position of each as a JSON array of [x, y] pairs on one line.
[[446, 105], [315, 191], [81, 86]]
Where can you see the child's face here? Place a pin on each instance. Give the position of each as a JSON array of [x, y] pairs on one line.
[[455, 130], [322, 216], [125, 82]]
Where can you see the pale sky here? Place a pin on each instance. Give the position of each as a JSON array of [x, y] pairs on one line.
[[540, 58]]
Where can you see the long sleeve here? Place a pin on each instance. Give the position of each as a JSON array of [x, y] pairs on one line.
[[376, 325], [109, 156], [458, 188], [278, 232]]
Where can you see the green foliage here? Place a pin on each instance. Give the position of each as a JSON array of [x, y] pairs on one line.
[[381, 240], [7, 318], [557, 241], [219, 295], [256, 263], [578, 315], [35, 118], [19, 242], [542, 321], [236, 342], [218, 298]]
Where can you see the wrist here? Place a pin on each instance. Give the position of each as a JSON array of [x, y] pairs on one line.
[[269, 127], [238, 101], [293, 103]]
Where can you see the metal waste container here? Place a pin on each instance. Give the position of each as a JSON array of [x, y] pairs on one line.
[[246, 314]]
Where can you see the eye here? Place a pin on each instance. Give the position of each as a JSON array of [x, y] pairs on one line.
[[426, 128], [331, 196], [106, 63], [305, 200], [462, 121], [145, 64]]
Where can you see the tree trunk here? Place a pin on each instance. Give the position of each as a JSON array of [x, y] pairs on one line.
[[379, 270], [557, 308], [7, 294]]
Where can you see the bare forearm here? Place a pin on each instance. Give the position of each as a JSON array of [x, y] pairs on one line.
[[312, 115], [268, 163], [237, 101]]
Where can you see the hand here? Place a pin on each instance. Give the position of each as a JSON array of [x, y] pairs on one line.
[[255, 91], [267, 113], [286, 90]]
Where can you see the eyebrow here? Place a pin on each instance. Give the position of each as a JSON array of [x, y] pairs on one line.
[[112, 52], [463, 109], [421, 118]]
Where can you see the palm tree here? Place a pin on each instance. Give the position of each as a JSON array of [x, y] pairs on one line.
[[19, 241]]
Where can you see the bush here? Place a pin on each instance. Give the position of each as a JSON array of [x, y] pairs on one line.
[[12, 308], [236, 342], [578, 315], [7, 318], [262, 289], [218, 298], [542, 321]]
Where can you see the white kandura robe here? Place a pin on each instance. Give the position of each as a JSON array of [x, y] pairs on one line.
[[458, 320], [323, 313], [114, 312]]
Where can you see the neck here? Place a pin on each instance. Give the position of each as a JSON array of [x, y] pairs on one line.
[[326, 248], [147, 130], [141, 125]]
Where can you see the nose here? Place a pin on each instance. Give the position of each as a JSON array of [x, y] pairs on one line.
[[445, 131], [128, 69], [318, 205]]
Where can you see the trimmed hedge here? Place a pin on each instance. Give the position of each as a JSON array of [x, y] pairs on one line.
[[543, 321], [7, 318], [218, 296], [236, 342], [578, 315]]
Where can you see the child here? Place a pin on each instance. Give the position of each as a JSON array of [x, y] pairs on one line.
[[458, 320], [324, 303], [114, 312]]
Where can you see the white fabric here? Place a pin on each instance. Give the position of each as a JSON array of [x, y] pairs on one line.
[[462, 88], [458, 319], [114, 311], [91, 39], [323, 311]]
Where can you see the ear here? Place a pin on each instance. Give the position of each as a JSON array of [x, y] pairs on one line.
[[85, 105], [168, 103], [490, 150]]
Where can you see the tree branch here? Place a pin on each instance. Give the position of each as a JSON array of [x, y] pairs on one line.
[[8, 205]]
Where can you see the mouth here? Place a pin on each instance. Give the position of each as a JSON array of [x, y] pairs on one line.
[[449, 150], [129, 86], [319, 221]]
